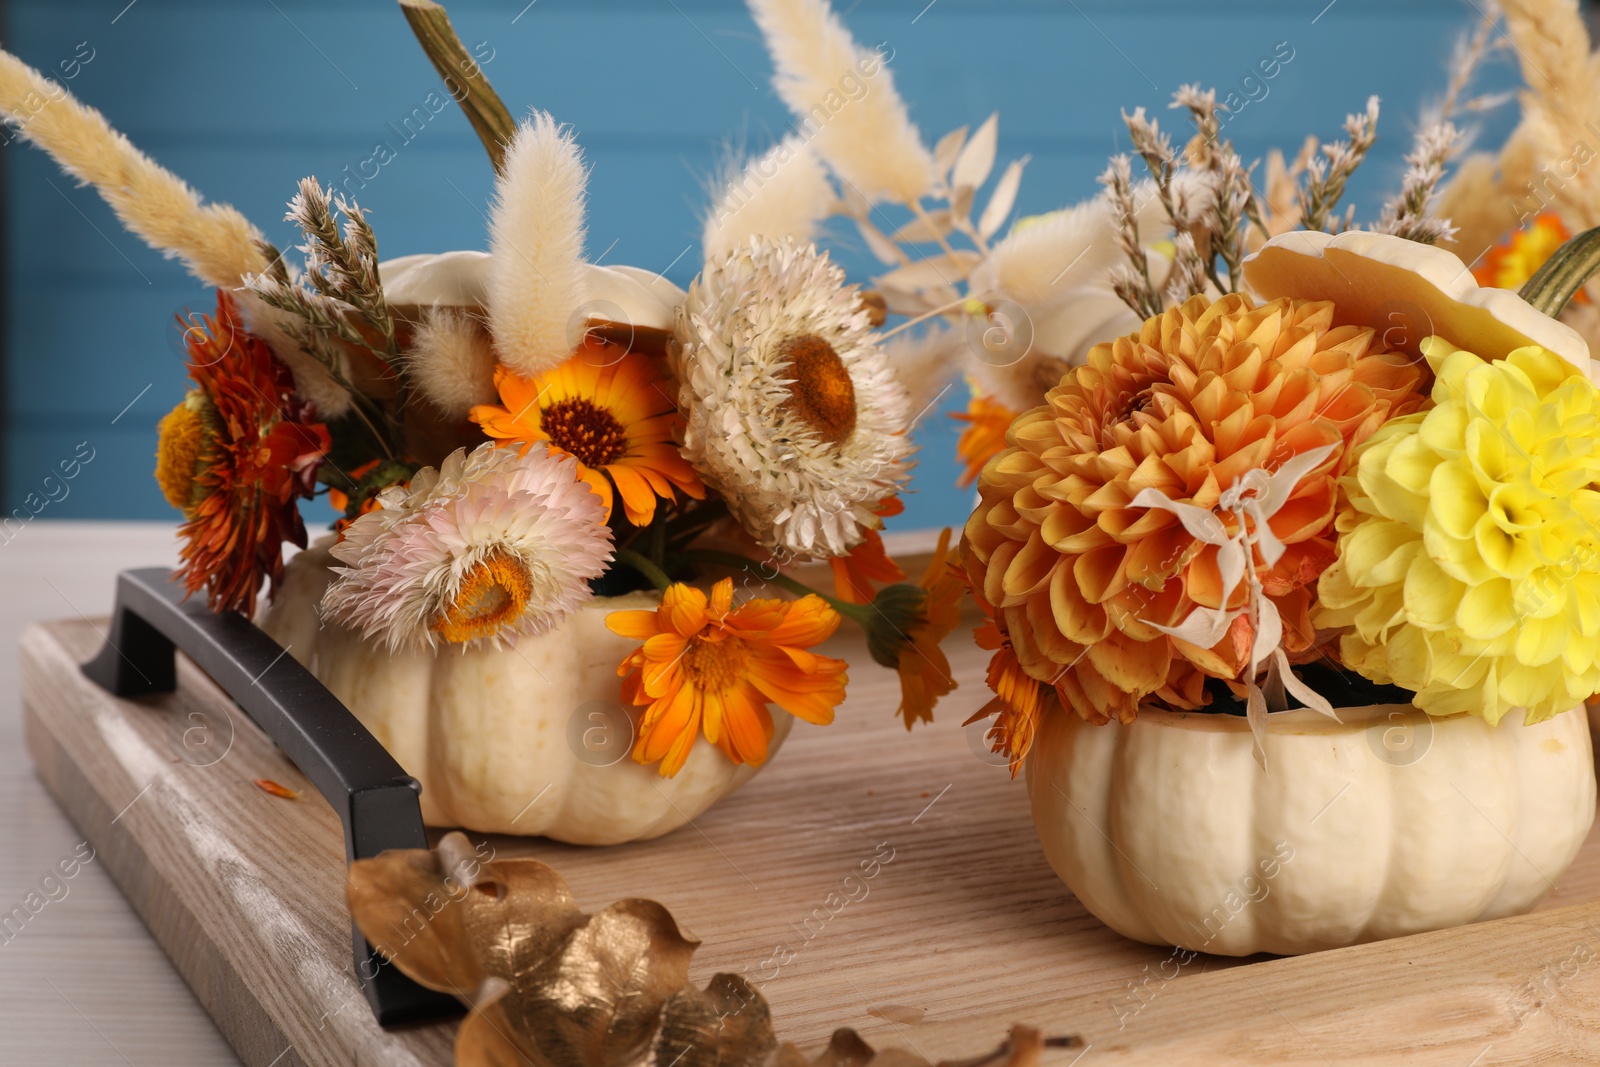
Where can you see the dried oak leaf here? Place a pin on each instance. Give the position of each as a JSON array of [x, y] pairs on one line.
[[551, 986]]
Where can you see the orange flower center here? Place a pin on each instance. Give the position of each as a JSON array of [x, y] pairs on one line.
[[494, 593], [180, 442], [582, 428], [821, 394], [714, 666]]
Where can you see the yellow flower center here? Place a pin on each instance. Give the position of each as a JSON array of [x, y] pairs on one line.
[[494, 594], [714, 666], [582, 428], [821, 394], [178, 450]]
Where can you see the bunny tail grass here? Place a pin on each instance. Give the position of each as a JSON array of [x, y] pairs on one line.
[[451, 363], [783, 193], [216, 243], [536, 274]]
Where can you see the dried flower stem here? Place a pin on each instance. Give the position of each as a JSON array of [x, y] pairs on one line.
[[479, 102]]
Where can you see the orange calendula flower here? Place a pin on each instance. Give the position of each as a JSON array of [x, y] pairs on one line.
[[707, 666], [614, 415], [1018, 698], [985, 436], [925, 674], [235, 456], [855, 573], [1509, 264]]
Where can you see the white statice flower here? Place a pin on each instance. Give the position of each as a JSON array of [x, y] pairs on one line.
[[491, 546], [792, 412]]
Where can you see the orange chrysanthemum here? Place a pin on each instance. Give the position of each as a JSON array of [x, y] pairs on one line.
[[613, 414], [706, 665], [1200, 395], [1509, 264], [985, 436], [924, 670], [855, 573], [235, 456]]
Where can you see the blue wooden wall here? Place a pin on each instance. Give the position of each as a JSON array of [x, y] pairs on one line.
[[244, 97]]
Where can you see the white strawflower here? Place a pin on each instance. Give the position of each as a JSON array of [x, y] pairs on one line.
[[793, 413], [491, 546]]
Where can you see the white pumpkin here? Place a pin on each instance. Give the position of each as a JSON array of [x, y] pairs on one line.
[[525, 740], [531, 739], [1170, 833]]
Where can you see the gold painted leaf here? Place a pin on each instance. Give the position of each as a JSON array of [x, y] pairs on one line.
[[550, 986]]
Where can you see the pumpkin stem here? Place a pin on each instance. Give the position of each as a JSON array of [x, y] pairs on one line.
[[1564, 273], [463, 77]]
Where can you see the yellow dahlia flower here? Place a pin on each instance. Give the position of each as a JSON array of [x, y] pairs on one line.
[[1083, 580], [1469, 560]]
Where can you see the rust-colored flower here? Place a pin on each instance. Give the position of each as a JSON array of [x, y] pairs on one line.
[[236, 455], [985, 436], [1199, 396], [706, 665], [857, 573]]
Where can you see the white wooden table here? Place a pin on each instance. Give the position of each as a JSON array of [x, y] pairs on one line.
[[81, 982]]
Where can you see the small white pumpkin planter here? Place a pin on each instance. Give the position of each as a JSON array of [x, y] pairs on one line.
[[1384, 825], [525, 740]]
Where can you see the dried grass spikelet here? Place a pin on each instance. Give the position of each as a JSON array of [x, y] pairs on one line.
[[844, 98], [551, 985], [1560, 106], [1045, 257], [1474, 202], [536, 244], [215, 242], [783, 193], [316, 375], [451, 361]]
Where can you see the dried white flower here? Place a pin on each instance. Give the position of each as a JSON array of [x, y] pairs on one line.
[[793, 414], [492, 545]]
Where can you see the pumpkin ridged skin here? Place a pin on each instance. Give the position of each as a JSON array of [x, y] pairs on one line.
[[1154, 824], [485, 730]]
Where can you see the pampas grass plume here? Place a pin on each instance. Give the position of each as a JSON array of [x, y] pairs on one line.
[[844, 99], [216, 243]]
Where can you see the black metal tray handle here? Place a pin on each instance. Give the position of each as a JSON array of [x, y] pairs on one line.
[[375, 799]]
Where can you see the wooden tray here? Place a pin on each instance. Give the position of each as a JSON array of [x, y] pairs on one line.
[[965, 924]]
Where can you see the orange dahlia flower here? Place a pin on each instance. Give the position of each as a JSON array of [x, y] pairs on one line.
[[706, 665], [235, 456], [1202, 394], [614, 414]]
